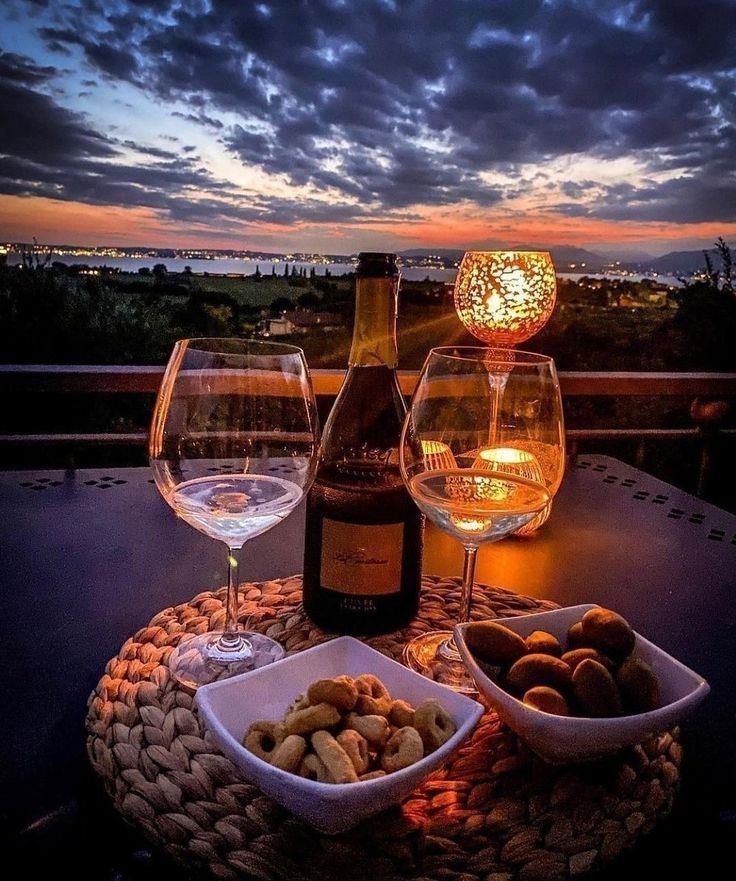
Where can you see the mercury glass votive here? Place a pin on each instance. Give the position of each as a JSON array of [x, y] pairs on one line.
[[437, 456], [505, 297], [520, 463]]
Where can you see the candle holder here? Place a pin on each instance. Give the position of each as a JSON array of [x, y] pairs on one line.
[[505, 297]]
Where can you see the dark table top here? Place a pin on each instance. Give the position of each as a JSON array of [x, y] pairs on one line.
[[87, 558]]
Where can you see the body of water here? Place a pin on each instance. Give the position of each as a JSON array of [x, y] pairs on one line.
[[670, 280], [239, 267], [248, 267]]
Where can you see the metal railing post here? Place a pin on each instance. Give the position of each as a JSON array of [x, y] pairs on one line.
[[709, 415]]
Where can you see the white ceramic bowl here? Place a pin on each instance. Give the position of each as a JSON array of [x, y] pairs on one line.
[[228, 708], [565, 739]]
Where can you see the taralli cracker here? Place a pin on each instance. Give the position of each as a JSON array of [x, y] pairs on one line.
[[333, 757], [401, 713], [371, 685], [375, 729], [313, 768], [263, 738], [311, 719], [373, 706], [434, 724], [403, 749], [340, 692], [289, 754], [345, 730], [356, 746], [300, 702]]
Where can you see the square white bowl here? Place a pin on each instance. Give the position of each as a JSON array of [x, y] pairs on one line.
[[229, 707], [567, 739]]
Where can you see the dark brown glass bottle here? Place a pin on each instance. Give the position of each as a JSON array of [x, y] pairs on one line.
[[363, 545]]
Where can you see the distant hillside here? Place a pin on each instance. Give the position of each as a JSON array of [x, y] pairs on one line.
[[677, 262], [629, 255], [567, 258], [449, 253]]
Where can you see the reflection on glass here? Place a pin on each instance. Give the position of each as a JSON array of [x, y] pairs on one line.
[[465, 396], [232, 448]]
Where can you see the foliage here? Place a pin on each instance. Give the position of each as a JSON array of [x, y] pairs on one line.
[[308, 300], [724, 278], [50, 314], [49, 317], [281, 304], [703, 335]]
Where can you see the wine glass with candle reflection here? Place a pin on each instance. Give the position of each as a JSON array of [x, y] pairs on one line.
[[503, 298], [457, 429], [232, 447]]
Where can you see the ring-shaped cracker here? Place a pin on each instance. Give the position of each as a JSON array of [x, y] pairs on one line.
[[263, 738], [403, 749], [434, 724]]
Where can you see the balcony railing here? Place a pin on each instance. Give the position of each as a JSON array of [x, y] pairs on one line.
[[39, 379]]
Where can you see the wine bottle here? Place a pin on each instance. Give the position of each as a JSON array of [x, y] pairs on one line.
[[364, 535]]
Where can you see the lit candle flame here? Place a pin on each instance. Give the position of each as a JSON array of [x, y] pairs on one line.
[[522, 463]]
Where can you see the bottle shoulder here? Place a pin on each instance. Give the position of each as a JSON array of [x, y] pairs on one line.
[[365, 422]]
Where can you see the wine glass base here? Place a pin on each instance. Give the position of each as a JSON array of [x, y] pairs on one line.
[[435, 656], [202, 659]]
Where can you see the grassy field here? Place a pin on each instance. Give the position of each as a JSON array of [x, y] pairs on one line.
[[250, 292]]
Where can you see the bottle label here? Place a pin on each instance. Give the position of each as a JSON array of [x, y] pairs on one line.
[[361, 559]]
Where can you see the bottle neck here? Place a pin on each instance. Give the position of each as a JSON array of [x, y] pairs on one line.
[[374, 331]]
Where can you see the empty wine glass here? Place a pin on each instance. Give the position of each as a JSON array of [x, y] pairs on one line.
[[470, 401], [232, 447]]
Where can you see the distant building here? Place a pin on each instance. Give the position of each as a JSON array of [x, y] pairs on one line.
[[298, 323], [270, 327], [304, 320]]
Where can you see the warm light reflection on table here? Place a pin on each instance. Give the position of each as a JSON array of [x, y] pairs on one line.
[[509, 563]]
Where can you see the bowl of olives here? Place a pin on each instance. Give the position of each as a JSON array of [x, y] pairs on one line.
[[578, 683]]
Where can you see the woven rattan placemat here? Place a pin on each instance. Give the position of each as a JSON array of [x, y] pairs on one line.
[[495, 812]]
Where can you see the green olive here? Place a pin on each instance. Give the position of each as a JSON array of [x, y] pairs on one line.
[[596, 690], [639, 686], [608, 632], [494, 643], [575, 656], [543, 643], [538, 669], [546, 699]]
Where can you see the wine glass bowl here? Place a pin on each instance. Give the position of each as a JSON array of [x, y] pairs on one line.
[[232, 448], [475, 409]]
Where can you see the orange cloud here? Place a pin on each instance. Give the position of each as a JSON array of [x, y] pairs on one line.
[[455, 230], [74, 223]]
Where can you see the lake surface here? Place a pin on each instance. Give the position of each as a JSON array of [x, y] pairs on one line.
[[248, 267], [240, 267]]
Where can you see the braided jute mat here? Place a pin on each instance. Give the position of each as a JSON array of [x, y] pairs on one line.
[[495, 812]]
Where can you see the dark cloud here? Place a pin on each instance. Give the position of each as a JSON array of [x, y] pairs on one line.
[[42, 131], [55, 153], [22, 71], [392, 104], [692, 198], [157, 152]]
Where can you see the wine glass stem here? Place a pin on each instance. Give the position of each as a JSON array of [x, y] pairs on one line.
[[468, 578], [231, 638], [448, 649]]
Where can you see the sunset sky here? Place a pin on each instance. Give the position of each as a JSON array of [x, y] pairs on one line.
[[339, 125]]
